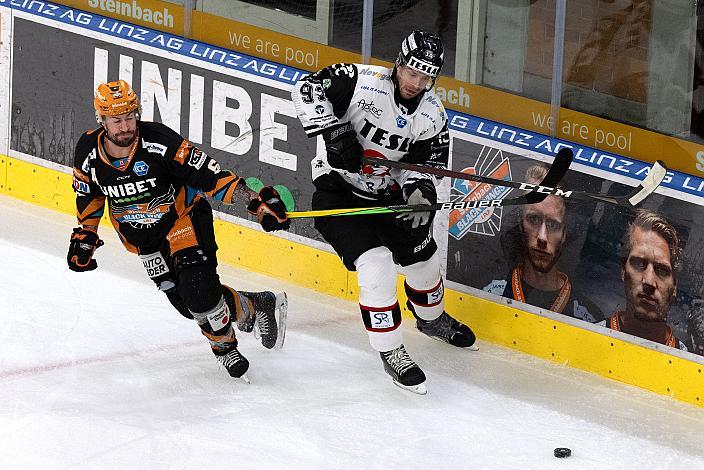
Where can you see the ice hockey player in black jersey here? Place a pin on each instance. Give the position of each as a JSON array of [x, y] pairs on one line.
[[387, 114], [156, 183]]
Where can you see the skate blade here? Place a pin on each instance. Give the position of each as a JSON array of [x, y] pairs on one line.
[[244, 378], [473, 347], [281, 311], [419, 389]]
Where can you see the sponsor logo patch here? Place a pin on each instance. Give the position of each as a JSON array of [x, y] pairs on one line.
[[197, 158], [141, 168], [368, 107], [155, 264], [154, 147]]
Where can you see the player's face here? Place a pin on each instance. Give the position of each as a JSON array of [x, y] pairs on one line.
[[544, 232], [648, 277], [121, 130], [411, 82]]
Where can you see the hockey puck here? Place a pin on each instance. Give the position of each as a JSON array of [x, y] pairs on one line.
[[562, 452]]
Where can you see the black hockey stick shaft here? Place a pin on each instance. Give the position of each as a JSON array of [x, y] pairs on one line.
[[538, 192], [556, 172]]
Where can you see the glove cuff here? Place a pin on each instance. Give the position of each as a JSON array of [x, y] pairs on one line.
[[336, 132]]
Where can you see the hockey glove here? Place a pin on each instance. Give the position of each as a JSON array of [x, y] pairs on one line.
[[344, 150], [418, 192], [84, 242], [270, 210]]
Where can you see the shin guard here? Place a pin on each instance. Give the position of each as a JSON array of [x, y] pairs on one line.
[[215, 324], [382, 324]]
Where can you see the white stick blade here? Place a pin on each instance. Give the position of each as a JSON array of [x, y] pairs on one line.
[[650, 183]]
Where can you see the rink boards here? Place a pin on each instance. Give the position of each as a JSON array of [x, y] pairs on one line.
[[52, 56]]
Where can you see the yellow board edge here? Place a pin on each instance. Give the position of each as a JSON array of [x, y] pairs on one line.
[[322, 271]]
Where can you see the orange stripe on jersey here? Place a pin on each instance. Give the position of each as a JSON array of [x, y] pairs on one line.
[[80, 175], [86, 217], [182, 151], [229, 196], [225, 186]]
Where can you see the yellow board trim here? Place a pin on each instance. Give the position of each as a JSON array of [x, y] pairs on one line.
[[322, 271]]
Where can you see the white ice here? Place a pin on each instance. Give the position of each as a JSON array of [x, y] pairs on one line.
[[97, 370]]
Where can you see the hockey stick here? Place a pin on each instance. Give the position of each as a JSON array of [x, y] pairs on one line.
[[655, 176], [537, 193], [397, 209], [556, 172]]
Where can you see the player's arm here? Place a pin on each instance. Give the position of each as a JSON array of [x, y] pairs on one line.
[[199, 170], [432, 152], [321, 100], [90, 206]]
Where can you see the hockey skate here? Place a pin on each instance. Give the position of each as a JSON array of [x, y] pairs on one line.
[[268, 320], [405, 373], [447, 329], [235, 363]]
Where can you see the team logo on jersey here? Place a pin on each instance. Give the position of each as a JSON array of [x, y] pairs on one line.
[[144, 215], [121, 164], [480, 220], [401, 122], [141, 168], [319, 109]]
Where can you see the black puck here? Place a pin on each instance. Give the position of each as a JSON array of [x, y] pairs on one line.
[[562, 452]]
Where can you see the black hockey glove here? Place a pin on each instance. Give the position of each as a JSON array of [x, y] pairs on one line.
[[84, 242], [270, 210], [415, 193], [343, 147]]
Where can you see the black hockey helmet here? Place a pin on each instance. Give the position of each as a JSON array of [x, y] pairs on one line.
[[422, 52]]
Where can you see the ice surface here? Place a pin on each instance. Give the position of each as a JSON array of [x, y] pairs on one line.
[[97, 370]]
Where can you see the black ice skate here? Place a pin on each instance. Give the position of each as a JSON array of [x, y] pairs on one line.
[[405, 373], [270, 317], [447, 329], [235, 363]]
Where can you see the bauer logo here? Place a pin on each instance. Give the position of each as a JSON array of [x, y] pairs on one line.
[[480, 220]]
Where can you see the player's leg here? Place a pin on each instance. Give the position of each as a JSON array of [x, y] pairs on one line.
[[426, 300], [160, 269], [192, 247], [358, 245], [415, 251]]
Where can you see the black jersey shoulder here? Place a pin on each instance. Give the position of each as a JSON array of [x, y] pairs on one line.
[[87, 141], [155, 135]]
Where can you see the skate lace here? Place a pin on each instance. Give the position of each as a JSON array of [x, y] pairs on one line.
[[399, 360], [230, 359], [265, 315], [443, 326]]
